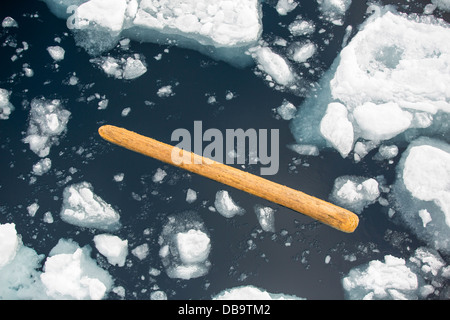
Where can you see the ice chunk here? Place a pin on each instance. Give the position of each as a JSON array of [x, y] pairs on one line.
[[304, 149], [226, 206], [283, 7], [381, 122], [159, 175], [301, 27], [48, 120], [70, 273], [266, 218], [19, 265], [355, 193], [301, 52], [287, 110], [442, 4], [165, 91], [56, 52], [5, 106], [191, 195], [423, 184], [9, 243], [128, 68], [389, 86], [141, 251], [274, 65], [224, 29], [185, 247], [112, 247], [251, 293], [9, 22], [388, 280], [83, 208], [337, 129], [193, 246], [42, 166], [334, 10]]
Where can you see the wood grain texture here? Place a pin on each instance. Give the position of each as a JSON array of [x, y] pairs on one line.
[[323, 211]]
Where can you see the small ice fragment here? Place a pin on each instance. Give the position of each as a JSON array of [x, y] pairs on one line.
[[226, 206], [112, 247], [56, 52]]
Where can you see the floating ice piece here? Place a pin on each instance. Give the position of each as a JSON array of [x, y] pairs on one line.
[[390, 85], [9, 243], [301, 52], [252, 293], [112, 247], [83, 208], [48, 120], [56, 52], [159, 175], [304, 149], [124, 68], [9, 22], [70, 273], [42, 166], [422, 184], [5, 106], [287, 110], [225, 29], [19, 265], [442, 4], [191, 195], [388, 280], [141, 251], [266, 218], [337, 129], [226, 206], [283, 7], [334, 10], [355, 193], [274, 65], [300, 27], [189, 245], [381, 122]]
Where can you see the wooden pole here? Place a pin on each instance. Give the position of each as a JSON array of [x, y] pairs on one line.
[[315, 208]]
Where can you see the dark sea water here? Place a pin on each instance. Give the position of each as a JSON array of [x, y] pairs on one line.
[[292, 260]]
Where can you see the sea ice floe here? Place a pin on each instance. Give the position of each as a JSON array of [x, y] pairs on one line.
[[6, 107], [83, 208], [48, 120], [421, 193], [422, 275], [9, 22], [70, 273], [250, 292], [266, 217], [223, 29], [283, 7], [185, 246], [390, 86]]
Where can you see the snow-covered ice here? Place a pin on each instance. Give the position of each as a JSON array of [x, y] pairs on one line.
[[6, 107], [266, 217], [112, 247], [56, 52], [274, 65], [83, 208], [48, 120], [388, 85], [223, 29], [69, 272], [226, 206]]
